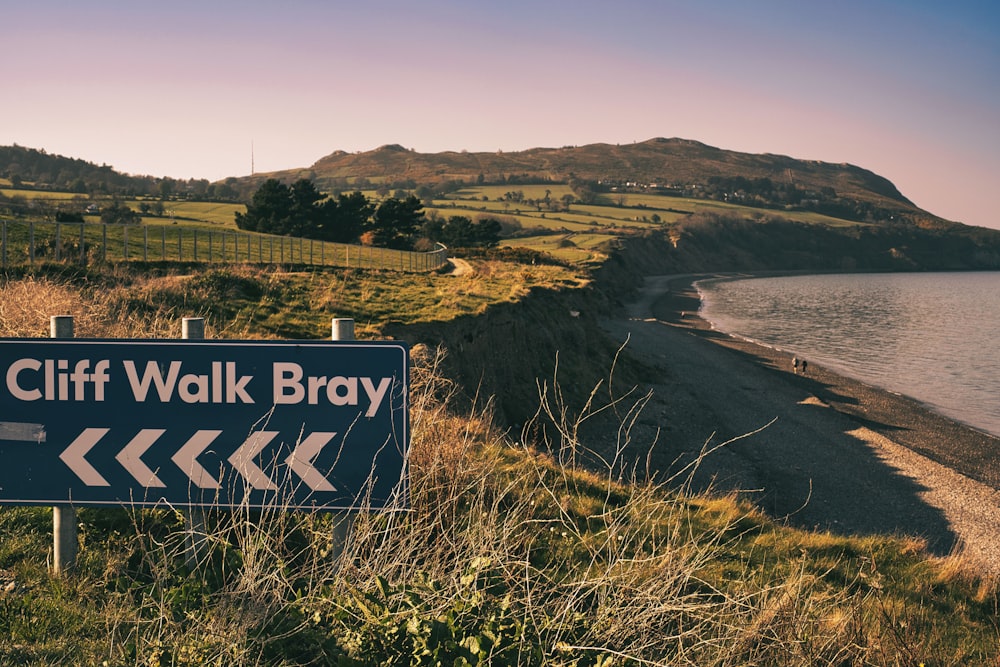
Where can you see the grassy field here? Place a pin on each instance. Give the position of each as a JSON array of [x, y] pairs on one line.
[[28, 243], [215, 213], [41, 194], [613, 213], [511, 552], [576, 248], [624, 210]]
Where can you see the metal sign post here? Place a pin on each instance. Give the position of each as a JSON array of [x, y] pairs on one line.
[[65, 540]]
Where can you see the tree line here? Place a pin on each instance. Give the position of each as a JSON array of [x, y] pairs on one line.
[[396, 222], [35, 169]]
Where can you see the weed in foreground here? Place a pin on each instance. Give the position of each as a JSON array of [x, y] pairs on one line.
[[513, 553]]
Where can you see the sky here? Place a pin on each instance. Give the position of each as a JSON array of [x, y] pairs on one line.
[[909, 89]]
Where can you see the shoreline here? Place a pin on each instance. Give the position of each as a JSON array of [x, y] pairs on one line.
[[964, 448], [818, 451]]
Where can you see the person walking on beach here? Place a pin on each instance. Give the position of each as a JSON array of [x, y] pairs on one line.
[[802, 365], [795, 365]]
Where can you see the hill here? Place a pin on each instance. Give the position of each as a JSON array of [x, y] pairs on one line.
[[36, 169], [671, 162], [664, 166], [669, 167]]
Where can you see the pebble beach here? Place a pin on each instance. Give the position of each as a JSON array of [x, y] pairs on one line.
[[816, 450]]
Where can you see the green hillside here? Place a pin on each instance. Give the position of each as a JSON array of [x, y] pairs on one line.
[[662, 166]]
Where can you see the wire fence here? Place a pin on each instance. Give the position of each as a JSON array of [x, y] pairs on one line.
[[68, 242]]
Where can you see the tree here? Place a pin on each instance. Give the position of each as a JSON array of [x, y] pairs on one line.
[[396, 221], [302, 210], [344, 218], [269, 209], [119, 214], [304, 218], [460, 232], [488, 232]]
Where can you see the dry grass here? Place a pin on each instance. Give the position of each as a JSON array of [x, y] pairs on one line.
[[27, 304], [529, 552]]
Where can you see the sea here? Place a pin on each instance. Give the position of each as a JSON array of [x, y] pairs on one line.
[[934, 337]]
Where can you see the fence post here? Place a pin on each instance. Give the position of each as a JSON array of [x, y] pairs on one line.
[[193, 328], [83, 244], [342, 328], [64, 535], [3, 242]]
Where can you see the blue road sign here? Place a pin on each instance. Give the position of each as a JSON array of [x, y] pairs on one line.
[[207, 423]]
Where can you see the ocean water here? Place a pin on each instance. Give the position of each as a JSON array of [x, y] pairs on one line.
[[932, 336]]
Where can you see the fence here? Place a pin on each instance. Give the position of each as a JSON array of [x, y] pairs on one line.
[[30, 242]]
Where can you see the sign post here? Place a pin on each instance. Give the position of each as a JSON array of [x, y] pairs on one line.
[[320, 425], [341, 328], [193, 328], [64, 532]]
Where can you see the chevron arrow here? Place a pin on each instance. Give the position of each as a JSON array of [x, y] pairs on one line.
[[130, 457], [186, 459], [73, 455], [242, 460], [302, 457]]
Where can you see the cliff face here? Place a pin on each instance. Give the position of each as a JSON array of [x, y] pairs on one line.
[[505, 353]]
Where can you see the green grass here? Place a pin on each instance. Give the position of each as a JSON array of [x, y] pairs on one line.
[[271, 303], [512, 553], [42, 194], [625, 209], [216, 213], [570, 247], [612, 211], [191, 242], [213, 213], [494, 192]]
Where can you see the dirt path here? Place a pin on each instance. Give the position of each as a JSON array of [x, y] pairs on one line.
[[822, 451], [459, 267]]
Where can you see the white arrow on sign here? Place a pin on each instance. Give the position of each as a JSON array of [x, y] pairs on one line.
[[242, 460], [73, 455], [130, 459], [302, 457], [22, 431], [300, 461], [186, 459]]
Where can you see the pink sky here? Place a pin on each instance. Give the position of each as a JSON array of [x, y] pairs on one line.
[[909, 90]]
